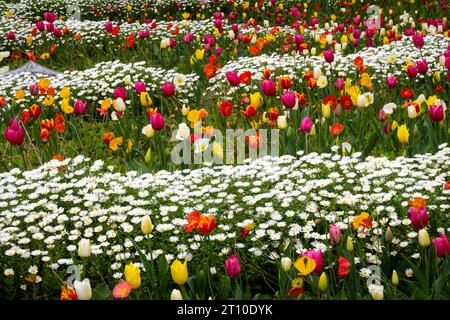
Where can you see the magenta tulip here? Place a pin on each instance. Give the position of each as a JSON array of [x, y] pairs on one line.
[[306, 125], [49, 27], [232, 266], [57, 33], [391, 82], [10, 35], [40, 25], [328, 55], [140, 87], [418, 40], [419, 218], [50, 17], [108, 26], [79, 107], [441, 245], [14, 132], [335, 234], [233, 78], [288, 99], [157, 121], [298, 39], [437, 113], [411, 71], [188, 38], [422, 66], [120, 92], [317, 256], [268, 87], [168, 89], [340, 84]]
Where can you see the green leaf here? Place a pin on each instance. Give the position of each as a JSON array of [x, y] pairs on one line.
[[101, 292], [148, 267]]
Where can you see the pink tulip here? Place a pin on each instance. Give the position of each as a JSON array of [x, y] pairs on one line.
[[411, 71], [391, 82], [340, 83], [356, 33], [57, 33], [140, 87], [419, 218], [298, 39], [172, 43], [437, 113], [188, 38], [143, 34], [268, 87], [288, 99], [306, 125], [232, 266], [317, 256], [120, 93], [157, 121], [168, 89], [335, 234], [49, 27], [422, 66], [418, 40], [14, 132], [79, 107], [328, 55], [218, 51], [441, 245], [233, 78]]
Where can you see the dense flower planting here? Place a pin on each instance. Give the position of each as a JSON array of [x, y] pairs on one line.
[[119, 178]]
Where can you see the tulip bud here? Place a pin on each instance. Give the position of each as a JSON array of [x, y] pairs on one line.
[[388, 236], [176, 295], [394, 278], [323, 282], [424, 238], [84, 248], [146, 224], [148, 156], [83, 289], [127, 80], [286, 263], [349, 244], [376, 291]]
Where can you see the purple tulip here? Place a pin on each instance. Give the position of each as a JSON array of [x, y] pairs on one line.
[[391, 82], [419, 218], [335, 234], [14, 132], [168, 89], [157, 121], [328, 55], [34, 89], [268, 87], [441, 245], [233, 78], [437, 113], [232, 266], [140, 87], [79, 107], [306, 125], [317, 256], [288, 99]]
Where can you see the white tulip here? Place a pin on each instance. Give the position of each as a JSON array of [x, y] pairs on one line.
[[176, 295], [84, 248], [83, 289], [286, 263]]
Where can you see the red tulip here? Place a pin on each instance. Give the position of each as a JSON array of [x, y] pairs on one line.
[[344, 267], [14, 132], [411, 71], [120, 93], [422, 66], [336, 129]]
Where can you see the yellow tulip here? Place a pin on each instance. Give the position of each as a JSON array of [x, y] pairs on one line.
[[146, 101], [48, 101], [129, 146], [256, 100], [326, 110], [323, 282], [114, 143], [44, 83], [179, 272], [65, 93], [305, 265], [65, 107], [20, 94], [403, 134], [217, 150], [193, 115], [366, 81], [146, 224], [424, 238], [199, 53], [132, 275], [349, 245]]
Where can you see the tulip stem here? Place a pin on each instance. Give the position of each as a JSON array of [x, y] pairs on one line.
[[98, 270]]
